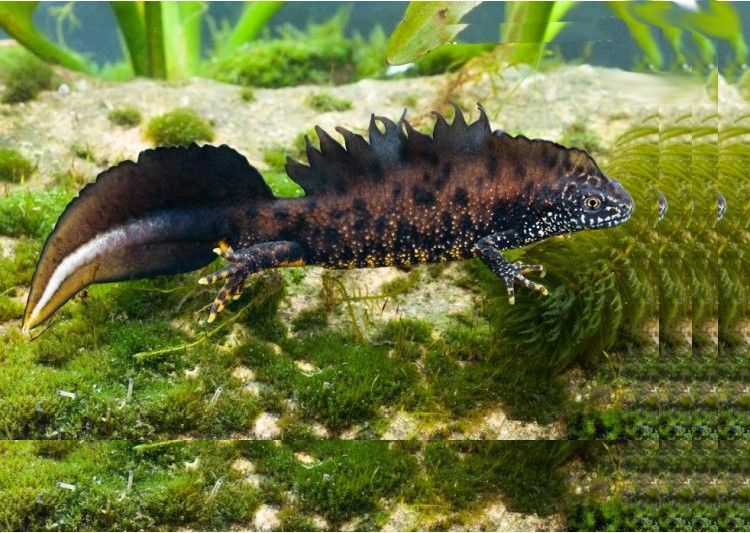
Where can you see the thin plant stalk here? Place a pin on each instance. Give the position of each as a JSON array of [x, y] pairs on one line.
[[529, 25], [130, 19], [182, 37], [254, 18], [157, 61]]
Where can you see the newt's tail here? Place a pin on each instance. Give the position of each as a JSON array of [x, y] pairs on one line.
[[161, 215]]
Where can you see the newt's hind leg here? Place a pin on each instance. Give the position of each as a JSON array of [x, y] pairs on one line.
[[246, 261]]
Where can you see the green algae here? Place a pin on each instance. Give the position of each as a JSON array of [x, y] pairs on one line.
[[247, 94], [24, 77], [10, 309], [117, 485], [579, 135], [82, 151], [321, 54], [14, 167], [181, 126], [326, 102], [31, 214], [275, 157], [127, 116]]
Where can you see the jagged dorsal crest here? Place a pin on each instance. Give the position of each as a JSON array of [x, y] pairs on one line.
[[334, 167], [539, 159]]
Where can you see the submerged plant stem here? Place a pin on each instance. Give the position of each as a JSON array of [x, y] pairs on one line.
[[157, 63]]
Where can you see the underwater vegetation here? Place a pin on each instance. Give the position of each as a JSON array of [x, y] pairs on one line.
[[308, 485], [161, 39], [530, 27], [179, 127], [325, 102], [141, 416], [14, 167], [666, 485], [23, 76], [320, 54], [125, 116]]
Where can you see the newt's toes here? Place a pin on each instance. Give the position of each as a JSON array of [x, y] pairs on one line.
[[538, 287]]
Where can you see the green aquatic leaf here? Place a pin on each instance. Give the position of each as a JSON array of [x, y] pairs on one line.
[[640, 32], [529, 25], [254, 18], [719, 20], [182, 37], [130, 20], [16, 19], [157, 61], [426, 26]]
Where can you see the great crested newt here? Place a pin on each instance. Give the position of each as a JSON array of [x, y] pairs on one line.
[[399, 198]]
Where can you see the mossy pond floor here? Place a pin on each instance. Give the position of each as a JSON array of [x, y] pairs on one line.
[[139, 415]]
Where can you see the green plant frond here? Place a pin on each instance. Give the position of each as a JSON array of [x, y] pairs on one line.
[[640, 32], [254, 18], [424, 27], [131, 23], [16, 20]]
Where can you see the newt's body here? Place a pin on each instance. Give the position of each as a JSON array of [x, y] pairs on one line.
[[403, 198]]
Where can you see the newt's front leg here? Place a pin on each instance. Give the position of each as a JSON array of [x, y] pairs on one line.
[[246, 261], [488, 250]]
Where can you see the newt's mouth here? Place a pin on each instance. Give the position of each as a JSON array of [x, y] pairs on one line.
[[625, 204]]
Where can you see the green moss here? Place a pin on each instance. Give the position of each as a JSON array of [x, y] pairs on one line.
[[25, 78], [310, 319], [17, 269], [181, 126], [407, 336], [294, 520], [467, 474], [355, 379], [275, 157], [325, 102], [125, 116], [402, 284], [72, 179], [347, 485], [578, 135], [10, 309], [82, 151], [320, 54], [14, 167], [247, 94], [176, 500]]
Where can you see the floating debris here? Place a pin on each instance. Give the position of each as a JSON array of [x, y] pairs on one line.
[[216, 395], [215, 488]]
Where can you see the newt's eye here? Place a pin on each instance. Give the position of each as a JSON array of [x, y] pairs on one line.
[[592, 203]]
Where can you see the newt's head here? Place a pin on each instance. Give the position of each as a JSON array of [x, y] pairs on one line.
[[563, 187], [594, 201]]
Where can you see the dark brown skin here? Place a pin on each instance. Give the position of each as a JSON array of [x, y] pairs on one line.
[[401, 199]]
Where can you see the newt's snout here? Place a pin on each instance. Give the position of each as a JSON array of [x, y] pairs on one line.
[[625, 200]]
